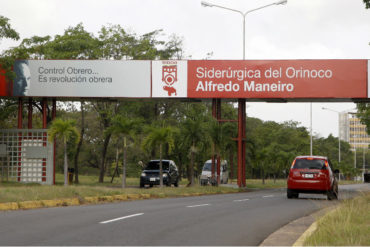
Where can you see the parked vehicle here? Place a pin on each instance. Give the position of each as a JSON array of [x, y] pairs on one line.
[[312, 174], [367, 177], [206, 176], [150, 174]]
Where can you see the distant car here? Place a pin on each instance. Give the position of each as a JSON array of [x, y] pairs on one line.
[[312, 174], [206, 176], [150, 174]]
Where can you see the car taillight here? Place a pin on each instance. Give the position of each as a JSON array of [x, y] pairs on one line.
[[292, 164], [322, 175], [296, 174], [326, 163]]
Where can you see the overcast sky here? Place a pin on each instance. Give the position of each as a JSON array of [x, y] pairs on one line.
[[302, 29]]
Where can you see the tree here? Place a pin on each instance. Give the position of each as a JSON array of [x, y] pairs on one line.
[[79, 145], [75, 43], [126, 128], [65, 130], [363, 112], [277, 145], [193, 133], [367, 3], [6, 31], [219, 135], [106, 112], [158, 137]]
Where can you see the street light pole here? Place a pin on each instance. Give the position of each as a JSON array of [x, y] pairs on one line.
[[207, 4], [311, 128], [324, 108], [241, 102]]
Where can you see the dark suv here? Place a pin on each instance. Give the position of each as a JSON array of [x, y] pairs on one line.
[[150, 174], [312, 174]]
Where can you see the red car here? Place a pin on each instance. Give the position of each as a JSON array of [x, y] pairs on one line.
[[312, 174]]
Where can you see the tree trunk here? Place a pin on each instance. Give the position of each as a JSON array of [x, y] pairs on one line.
[[231, 158], [263, 175], [192, 157], [105, 110], [104, 154], [80, 142], [213, 168], [160, 167], [65, 164], [218, 169], [124, 164], [116, 168]]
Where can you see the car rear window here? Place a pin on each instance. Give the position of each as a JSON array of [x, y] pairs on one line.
[[154, 165], [207, 166], [309, 164]]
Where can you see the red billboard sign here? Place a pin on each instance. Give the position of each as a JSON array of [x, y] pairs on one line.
[[251, 79], [277, 79]]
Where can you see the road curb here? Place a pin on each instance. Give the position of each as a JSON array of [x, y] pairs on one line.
[[314, 226], [306, 234], [7, 206], [297, 231]]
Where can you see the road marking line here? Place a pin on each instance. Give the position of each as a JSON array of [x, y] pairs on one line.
[[194, 206], [268, 196], [121, 218], [241, 200]]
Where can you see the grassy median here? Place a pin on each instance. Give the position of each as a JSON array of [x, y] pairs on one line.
[[349, 225], [90, 187]]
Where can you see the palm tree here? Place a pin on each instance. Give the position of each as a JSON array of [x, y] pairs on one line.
[[230, 130], [159, 137], [126, 128], [65, 130], [193, 133], [219, 135]]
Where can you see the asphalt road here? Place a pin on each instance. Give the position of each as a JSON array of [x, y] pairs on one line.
[[229, 219]]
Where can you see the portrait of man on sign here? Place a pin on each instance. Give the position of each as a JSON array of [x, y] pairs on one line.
[[22, 80]]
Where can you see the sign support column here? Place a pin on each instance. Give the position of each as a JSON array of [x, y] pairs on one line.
[[30, 112], [241, 143], [53, 116], [20, 125], [216, 113]]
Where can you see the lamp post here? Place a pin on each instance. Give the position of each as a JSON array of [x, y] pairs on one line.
[[324, 108], [243, 14], [311, 129], [241, 102]]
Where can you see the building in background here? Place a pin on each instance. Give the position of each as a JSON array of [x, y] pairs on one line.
[[353, 131]]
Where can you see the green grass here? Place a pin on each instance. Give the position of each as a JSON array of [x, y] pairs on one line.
[[94, 181], [31, 193], [344, 182], [89, 186], [349, 225], [269, 184]]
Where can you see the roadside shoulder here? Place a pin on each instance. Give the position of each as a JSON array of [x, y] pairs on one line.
[[295, 232]]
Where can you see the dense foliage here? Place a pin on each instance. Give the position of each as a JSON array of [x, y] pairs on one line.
[[367, 3]]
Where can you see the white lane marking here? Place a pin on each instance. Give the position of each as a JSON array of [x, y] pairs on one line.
[[241, 200], [194, 206], [121, 218], [268, 196]]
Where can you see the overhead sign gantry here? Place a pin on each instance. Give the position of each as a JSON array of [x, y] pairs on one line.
[[281, 80], [250, 79]]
